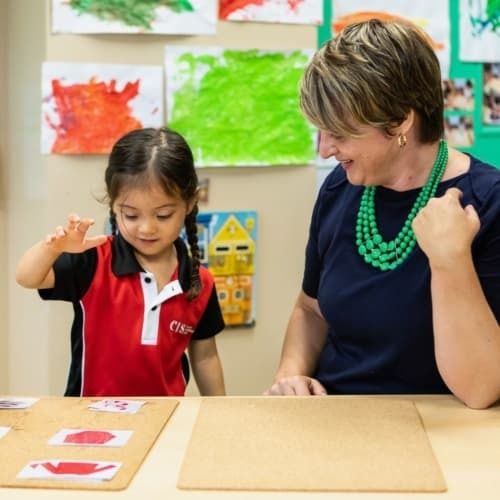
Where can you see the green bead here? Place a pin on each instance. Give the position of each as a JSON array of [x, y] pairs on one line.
[[389, 255]]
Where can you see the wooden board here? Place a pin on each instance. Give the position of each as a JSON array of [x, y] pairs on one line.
[[310, 444], [33, 427]]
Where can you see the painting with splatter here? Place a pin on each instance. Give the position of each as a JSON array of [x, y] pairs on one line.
[[273, 11], [430, 15], [239, 107], [480, 30], [87, 107], [188, 17]]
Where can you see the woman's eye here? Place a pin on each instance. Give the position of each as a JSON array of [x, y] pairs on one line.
[[163, 216], [130, 216]]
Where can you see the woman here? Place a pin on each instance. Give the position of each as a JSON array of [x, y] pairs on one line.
[[401, 288]]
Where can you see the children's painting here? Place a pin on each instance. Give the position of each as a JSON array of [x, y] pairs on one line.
[[188, 17], [273, 11], [430, 15], [480, 30], [459, 131], [239, 107], [87, 107], [491, 93], [458, 94], [227, 242]]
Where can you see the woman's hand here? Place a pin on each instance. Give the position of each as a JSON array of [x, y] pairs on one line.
[[445, 230], [73, 237], [298, 385]]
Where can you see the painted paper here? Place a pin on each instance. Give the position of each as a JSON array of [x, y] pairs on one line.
[[491, 94], [228, 243], [239, 107], [273, 11], [458, 94], [459, 131], [189, 17], [86, 108], [430, 15], [480, 30]]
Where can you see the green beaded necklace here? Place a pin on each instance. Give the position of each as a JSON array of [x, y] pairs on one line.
[[387, 255]]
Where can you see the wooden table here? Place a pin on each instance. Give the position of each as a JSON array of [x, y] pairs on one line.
[[466, 444]]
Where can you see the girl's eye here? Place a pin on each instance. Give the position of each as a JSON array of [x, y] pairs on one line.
[[163, 216], [130, 216]]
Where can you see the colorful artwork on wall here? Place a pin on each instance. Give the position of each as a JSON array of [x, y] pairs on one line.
[[228, 242], [458, 94], [239, 107], [189, 17], [430, 15], [273, 11], [459, 131], [87, 107], [480, 30], [491, 93]]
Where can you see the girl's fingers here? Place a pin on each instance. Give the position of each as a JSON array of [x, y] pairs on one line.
[[84, 224], [73, 221]]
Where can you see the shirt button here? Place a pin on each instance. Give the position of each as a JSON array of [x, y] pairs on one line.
[[147, 279], [154, 308]]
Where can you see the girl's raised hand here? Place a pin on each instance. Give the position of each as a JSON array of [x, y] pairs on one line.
[[73, 237]]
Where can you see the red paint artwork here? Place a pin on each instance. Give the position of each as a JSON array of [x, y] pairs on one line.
[[79, 468], [89, 437], [227, 7], [91, 116]]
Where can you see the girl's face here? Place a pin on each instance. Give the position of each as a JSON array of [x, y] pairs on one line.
[[368, 159], [150, 220]]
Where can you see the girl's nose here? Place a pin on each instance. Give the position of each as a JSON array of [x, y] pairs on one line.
[[327, 146], [148, 226]]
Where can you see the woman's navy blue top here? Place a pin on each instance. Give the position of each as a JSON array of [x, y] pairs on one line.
[[380, 337]]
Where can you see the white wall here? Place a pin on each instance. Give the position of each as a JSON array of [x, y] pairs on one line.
[[43, 189], [3, 196]]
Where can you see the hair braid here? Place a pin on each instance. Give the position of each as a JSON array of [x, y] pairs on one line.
[[112, 222], [192, 237]]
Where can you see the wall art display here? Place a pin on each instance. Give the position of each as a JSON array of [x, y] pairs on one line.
[[458, 94], [239, 107], [430, 15], [459, 131], [228, 243], [87, 107], [491, 93], [188, 17], [272, 11], [479, 30]]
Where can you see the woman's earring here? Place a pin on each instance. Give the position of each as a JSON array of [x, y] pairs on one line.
[[402, 140]]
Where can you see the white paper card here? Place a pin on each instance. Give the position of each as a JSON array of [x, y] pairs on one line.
[[117, 405], [91, 437], [82, 470]]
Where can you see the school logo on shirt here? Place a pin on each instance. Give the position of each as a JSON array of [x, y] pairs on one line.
[[182, 328]]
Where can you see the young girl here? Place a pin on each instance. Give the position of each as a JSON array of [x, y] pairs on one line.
[[139, 299]]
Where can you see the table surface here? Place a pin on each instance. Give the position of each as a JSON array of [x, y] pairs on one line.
[[466, 444]]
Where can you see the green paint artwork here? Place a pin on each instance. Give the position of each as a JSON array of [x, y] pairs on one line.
[[130, 12], [239, 107]]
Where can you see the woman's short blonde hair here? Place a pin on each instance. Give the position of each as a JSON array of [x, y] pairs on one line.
[[374, 73]]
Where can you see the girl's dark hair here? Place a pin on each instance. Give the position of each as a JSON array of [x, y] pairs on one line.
[[146, 156]]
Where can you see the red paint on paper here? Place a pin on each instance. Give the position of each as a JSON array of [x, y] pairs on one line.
[[227, 7], [89, 437], [80, 468], [92, 116]]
